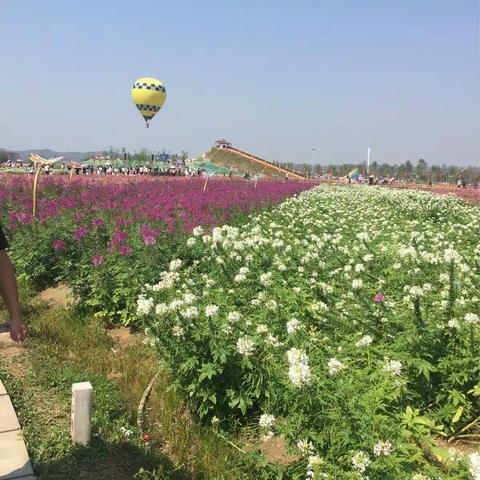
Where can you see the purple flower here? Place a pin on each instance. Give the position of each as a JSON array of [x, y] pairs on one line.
[[97, 260], [58, 244], [125, 251], [118, 237], [98, 222], [379, 298], [148, 235], [79, 233]]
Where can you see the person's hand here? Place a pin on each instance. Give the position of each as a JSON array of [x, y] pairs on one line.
[[18, 330]]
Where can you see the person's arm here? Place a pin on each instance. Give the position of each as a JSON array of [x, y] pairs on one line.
[[9, 293]]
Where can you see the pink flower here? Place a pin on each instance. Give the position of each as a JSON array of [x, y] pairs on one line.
[[379, 297], [148, 235], [98, 222], [79, 233], [125, 250], [118, 237], [97, 260], [58, 244]]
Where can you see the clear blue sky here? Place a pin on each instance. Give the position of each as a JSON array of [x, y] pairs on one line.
[[275, 77]]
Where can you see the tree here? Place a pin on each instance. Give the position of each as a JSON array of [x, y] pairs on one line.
[[421, 169]]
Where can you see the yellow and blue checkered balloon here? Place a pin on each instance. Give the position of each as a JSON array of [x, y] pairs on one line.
[[148, 95]]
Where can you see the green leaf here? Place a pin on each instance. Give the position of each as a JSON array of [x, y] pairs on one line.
[[458, 414]]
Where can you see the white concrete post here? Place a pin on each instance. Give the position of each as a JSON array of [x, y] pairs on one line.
[[80, 427]]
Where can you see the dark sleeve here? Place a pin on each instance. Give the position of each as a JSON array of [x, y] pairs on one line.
[[3, 240]]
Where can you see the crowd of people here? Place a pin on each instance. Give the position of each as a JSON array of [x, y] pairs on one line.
[[178, 169]]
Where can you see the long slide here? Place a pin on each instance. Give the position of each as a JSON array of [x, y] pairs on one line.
[[263, 162]]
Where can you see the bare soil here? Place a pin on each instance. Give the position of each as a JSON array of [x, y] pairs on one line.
[[61, 295]]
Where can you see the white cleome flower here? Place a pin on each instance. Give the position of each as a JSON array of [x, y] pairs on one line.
[[178, 331], [357, 284], [334, 366], [240, 278], [245, 346], [360, 461], [474, 467], [233, 316], [189, 313], [144, 305], [266, 279], [453, 323], [175, 265], [197, 231], [305, 447], [365, 341], [292, 326], [266, 420], [472, 318], [211, 310], [393, 367], [382, 448]]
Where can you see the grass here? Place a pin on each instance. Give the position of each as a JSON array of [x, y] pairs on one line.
[[63, 349]]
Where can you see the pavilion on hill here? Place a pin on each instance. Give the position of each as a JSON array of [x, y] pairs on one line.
[[222, 144]]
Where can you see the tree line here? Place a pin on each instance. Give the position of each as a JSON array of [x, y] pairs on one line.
[[419, 172]]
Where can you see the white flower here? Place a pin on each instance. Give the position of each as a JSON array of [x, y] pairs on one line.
[[240, 278], [394, 367], [382, 448], [474, 460], [363, 236], [266, 420], [245, 346], [266, 279], [233, 316], [197, 231], [420, 476], [360, 461], [144, 305], [365, 341], [416, 291], [299, 370], [211, 310], [191, 242], [297, 290], [453, 323], [305, 447], [451, 256], [189, 313], [357, 284], [126, 432], [262, 328], [215, 420], [175, 264], [334, 366], [472, 318], [359, 267], [299, 373], [178, 331], [292, 326], [161, 309], [368, 257], [314, 461]]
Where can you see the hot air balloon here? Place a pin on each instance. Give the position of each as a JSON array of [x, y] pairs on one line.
[[148, 95]]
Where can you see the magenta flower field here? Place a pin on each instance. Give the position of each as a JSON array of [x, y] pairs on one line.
[[176, 202]]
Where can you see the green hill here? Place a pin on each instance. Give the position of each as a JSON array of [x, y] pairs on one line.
[[228, 159]]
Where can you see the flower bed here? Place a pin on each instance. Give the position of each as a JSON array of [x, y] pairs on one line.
[[106, 235], [345, 320]]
